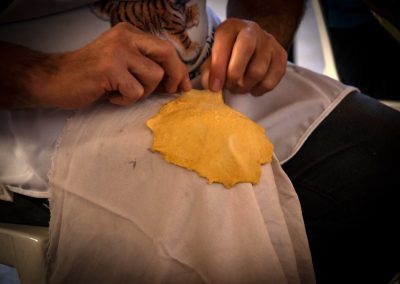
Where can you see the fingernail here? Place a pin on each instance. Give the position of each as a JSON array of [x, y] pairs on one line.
[[215, 85]]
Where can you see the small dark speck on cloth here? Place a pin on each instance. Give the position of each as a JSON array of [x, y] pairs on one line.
[[132, 163]]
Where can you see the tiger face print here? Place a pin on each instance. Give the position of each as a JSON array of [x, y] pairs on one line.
[[167, 19]]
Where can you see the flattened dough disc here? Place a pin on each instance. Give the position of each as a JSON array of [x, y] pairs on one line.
[[199, 132]]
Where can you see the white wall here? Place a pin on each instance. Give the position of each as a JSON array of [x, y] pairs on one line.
[[219, 6]]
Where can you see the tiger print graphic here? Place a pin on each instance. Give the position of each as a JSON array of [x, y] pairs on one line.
[[167, 19]]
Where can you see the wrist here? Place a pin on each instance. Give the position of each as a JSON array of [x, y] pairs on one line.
[[43, 78], [24, 76]]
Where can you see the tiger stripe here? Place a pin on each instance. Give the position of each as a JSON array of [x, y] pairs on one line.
[[160, 17]]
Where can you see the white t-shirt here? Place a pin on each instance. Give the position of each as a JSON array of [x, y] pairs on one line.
[[28, 137]]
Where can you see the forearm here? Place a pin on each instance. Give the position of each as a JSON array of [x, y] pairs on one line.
[[278, 17], [122, 65], [23, 74]]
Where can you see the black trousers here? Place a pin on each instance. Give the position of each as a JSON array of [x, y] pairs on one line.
[[347, 177], [348, 181]]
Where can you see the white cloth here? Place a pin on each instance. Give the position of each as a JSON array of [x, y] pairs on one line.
[[155, 222], [292, 111], [289, 113], [28, 138], [121, 214], [25, 155]]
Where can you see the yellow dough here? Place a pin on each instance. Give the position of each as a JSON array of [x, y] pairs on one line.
[[199, 132]]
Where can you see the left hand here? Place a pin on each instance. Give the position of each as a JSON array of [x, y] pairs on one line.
[[244, 59]]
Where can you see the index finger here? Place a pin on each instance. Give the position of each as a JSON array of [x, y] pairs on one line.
[[165, 54], [224, 40]]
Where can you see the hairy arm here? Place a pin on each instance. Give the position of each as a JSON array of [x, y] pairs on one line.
[[278, 17], [22, 72], [122, 65]]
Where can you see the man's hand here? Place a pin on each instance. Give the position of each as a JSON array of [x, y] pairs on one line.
[[244, 59], [122, 65]]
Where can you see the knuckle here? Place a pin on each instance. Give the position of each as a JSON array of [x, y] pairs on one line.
[[166, 51], [226, 25], [235, 21], [283, 55], [256, 72], [234, 76], [281, 68], [250, 33], [124, 31], [268, 38], [103, 73], [179, 74], [104, 83], [158, 73], [118, 31], [107, 68], [112, 43], [132, 92], [252, 25], [139, 91], [122, 27], [267, 85], [167, 48], [250, 45], [115, 48]]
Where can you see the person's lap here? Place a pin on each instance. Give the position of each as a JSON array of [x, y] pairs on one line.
[[345, 178], [347, 181]]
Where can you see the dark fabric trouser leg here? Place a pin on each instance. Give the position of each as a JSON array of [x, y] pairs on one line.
[[348, 181], [25, 211]]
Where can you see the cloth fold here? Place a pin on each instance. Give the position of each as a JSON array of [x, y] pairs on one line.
[[121, 214]]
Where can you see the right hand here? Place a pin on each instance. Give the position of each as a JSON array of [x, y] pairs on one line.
[[124, 64]]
